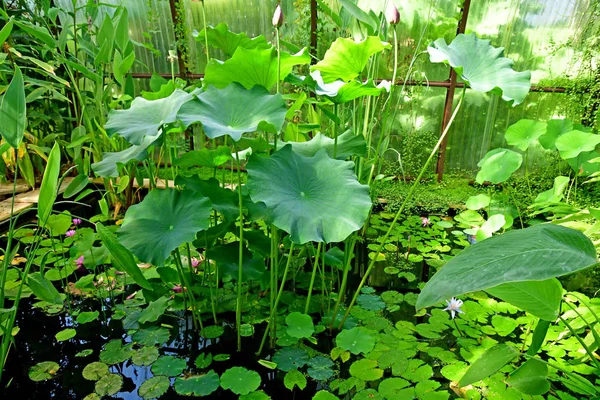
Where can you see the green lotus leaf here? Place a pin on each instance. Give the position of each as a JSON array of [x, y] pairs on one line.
[[417, 371], [223, 200], [197, 385], [555, 194], [294, 378], [208, 158], [366, 370], [152, 235], [154, 387], [114, 352], [234, 111], [154, 310], [251, 67], [572, 144], [109, 385], [314, 198], [290, 358], [554, 129], [169, 366], [320, 368], [145, 356], [324, 395], [348, 144], [240, 380], [477, 202], [43, 371], [299, 325], [368, 394], [227, 258], [87, 316], [109, 166], [257, 395], [537, 253], [584, 164], [145, 118], [370, 302], [482, 66], [220, 37], [212, 332], [340, 92], [356, 340], [153, 335], [498, 165], [391, 388], [524, 133], [346, 58], [95, 371]]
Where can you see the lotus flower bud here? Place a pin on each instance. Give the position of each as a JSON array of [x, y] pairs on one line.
[[391, 14], [278, 17]]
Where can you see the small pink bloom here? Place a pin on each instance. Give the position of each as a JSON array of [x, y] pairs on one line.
[[391, 14], [79, 263], [425, 221], [177, 289], [195, 262], [76, 221], [70, 232]]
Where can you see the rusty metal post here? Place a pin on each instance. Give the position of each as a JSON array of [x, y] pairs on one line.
[[450, 96]]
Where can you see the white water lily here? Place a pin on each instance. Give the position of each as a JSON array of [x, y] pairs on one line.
[[454, 305]]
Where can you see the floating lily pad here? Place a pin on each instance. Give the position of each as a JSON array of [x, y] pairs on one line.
[[87, 316], [356, 340], [153, 335], [294, 378], [114, 352], [84, 353], [240, 380], [154, 387], [212, 332], [299, 325], [290, 358], [370, 302], [145, 356], [154, 310], [320, 368], [43, 371], [169, 366], [391, 388], [204, 360], [65, 334], [197, 385], [366, 370], [95, 371], [109, 385]]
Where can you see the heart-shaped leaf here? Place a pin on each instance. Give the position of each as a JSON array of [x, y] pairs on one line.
[[356, 340], [524, 133], [346, 58], [299, 325], [533, 254], [169, 366], [482, 66], [234, 111], [144, 118], [498, 165], [253, 67], [572, 144], [222, 38], [314, 199], [152, 235]]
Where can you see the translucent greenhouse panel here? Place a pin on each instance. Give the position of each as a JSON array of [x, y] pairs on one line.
[[534, 33], [150, 27], [482, 123]]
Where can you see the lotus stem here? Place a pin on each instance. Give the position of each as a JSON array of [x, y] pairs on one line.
[[312, 278], [238, 309]]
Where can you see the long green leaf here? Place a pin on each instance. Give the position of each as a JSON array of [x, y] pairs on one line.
[[49, 185], [5, 32], [12, 111], [540, 298], [539, 334], [534, 254], [489, 363], [360, 15], [121, 258], [43, 288]]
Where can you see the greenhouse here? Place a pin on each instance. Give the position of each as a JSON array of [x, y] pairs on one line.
[[300, 199]]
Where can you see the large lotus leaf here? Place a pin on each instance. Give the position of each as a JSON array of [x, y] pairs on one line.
[[208, 158], [555, 128], [540, 298], [144, 117], [572, 144], [534, 254], [348, 145], [524, 133], [311, 198], [222, 38], [498, 165], [223, 200], [341, 92], [234, 111], [583, 164], [482, 66], [253, 67], [163, 221], [109, 166], [346, 58], [227, 258]]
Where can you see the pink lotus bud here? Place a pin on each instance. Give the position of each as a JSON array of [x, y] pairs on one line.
[[391, 14], [79, 263], [195, 262], [278, 17], [76, 221], [177, 289]]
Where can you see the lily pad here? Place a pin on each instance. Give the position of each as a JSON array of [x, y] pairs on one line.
[[294, 378], [482, 66], [356, 340], [154, 387], [299, 325], [290, 358], [530, 378], [320, 368], [212, 332], [87, 316], [152, 235], [114, 352], [95, 371], [315, 198], [240, 380], [391, 388], [366, 370], [109, 385], [145, 118], [203, 360], [154, 310], [145, 356], [169, 366], [153, 335], [43, 371], [234, 111], [197, 385], [65, 334]]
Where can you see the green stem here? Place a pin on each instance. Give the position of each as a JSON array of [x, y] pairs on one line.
[[274, 311], [274, 264], [342, 291], [238, 309], [401, 210], [335, 130], [205, 32], [589, 352], [278, 77], [196, 318], [312, 278]]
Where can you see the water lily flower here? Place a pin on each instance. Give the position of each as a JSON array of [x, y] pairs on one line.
[[277, 17], [172, 57], [454, 305], [76, 221], [391, 13], [70, 232], [79, 262], [177, 289], [195, 262], [425, 221]]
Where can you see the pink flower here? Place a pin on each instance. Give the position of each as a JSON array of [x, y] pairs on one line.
[[391, 14], [177, 289], [425, 221], [76, 221], [70, 232], [195, 262], [79, 263], [277, 17]]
